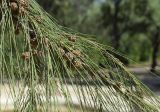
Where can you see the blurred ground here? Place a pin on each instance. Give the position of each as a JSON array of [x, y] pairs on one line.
[[152, 80], [143, 73]]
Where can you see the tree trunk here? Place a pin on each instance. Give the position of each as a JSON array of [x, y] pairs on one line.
[[155, 44], [116, 33]]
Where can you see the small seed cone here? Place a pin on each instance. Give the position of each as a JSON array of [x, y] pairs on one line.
[[38, 18], [37, 53], [77, 63], [22, 10], [62, 51], [76, 52], [68, 56], [26, 55], [14, 7], [23, 3], [72, 38], [34, 43]]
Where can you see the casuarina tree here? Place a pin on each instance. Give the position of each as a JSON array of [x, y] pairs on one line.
[[42, 63]]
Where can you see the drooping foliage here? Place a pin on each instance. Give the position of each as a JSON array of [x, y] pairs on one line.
[[40, 58]]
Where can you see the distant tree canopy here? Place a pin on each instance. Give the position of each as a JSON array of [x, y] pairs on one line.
[[125, 16], [67, 12], [59, 8], [132, 18]]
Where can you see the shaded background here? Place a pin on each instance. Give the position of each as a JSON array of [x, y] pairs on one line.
[[132, 27]]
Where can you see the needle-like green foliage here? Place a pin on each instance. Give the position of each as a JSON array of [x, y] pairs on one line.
[[44, 66]]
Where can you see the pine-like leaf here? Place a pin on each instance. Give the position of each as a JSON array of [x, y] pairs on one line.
[[48, 68]]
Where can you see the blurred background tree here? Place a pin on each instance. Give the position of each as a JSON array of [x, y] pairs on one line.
[[130, 26]]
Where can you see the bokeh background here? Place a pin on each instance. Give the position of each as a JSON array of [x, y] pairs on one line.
[[132, 27]]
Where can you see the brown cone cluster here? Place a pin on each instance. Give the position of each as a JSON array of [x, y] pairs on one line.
[[34, 43], [72, 57], [37, 53], [17, 7], [27, 55], [34, 46]]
